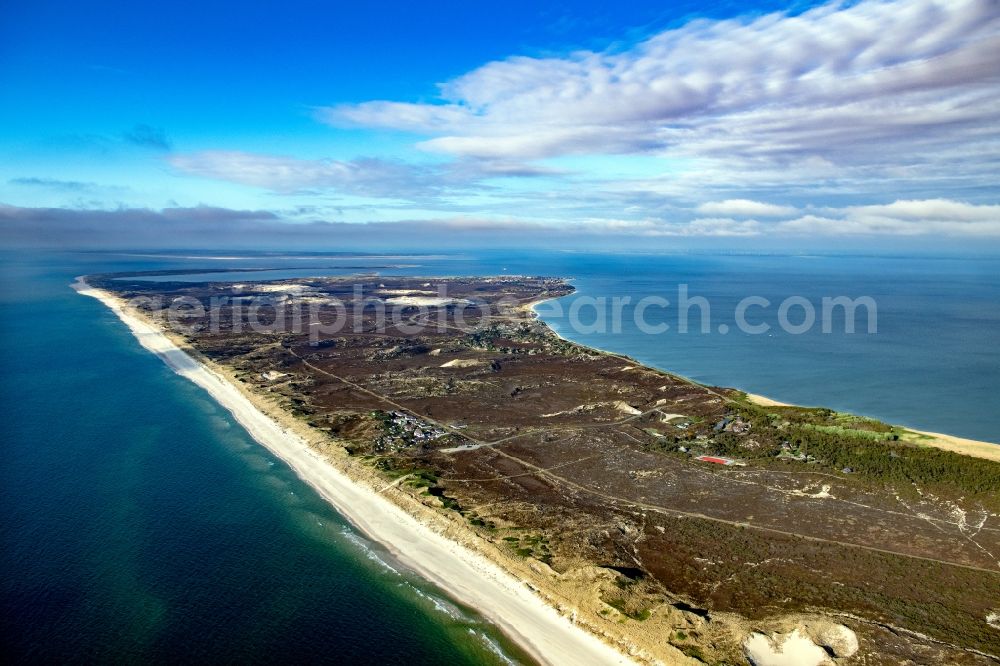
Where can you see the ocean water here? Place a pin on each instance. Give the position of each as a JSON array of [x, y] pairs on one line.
[[140, 523], [933, 362]]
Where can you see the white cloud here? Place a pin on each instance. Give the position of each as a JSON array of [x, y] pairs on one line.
[[720, 227], [769, 125], [902, 218], [930, 209], [208, 227], [745, 208], [843, 84], [365, 176], [698, 228], [397, 115]]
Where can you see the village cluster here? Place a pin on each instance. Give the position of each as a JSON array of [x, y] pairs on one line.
[[402, 430]]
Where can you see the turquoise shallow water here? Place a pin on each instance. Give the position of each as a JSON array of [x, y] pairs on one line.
[[140, 523]]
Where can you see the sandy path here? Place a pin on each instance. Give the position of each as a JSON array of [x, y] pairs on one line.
[[467, 576]]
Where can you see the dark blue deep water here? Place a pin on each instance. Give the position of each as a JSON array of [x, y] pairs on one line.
[[140, 523]]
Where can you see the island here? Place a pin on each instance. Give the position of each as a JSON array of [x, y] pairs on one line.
[[650, 518]]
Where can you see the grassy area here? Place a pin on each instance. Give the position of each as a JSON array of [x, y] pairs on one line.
[[873, 451], [946, 602], [530, 545], [875, 436]]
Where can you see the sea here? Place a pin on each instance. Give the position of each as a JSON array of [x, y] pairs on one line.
[[140, 523]]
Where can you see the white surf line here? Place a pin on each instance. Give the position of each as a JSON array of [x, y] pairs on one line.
[[469, 577]]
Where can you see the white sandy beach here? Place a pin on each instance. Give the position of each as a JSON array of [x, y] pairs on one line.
[[467, 576]]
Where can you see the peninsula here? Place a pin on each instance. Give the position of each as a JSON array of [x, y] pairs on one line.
[[599, 511]]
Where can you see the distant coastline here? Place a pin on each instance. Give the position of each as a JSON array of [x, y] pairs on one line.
[[962, 445]]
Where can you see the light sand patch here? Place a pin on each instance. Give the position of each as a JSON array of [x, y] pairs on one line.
[[461, 363], [425, 301], [764, 401], [967, 447], [838, 639], [272, 375], [792, 649], [623, 406], [620, 405], [822, 493], [406, 292], [579, 409], [283, 288]]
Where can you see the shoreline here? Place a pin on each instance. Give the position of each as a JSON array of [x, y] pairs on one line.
[[961, 445], [442, 549], [431, 550]]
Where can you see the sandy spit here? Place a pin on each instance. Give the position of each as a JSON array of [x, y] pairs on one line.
[[968, 447], [468, 576]]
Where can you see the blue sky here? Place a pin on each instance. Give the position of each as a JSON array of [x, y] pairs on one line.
[[639, 122]]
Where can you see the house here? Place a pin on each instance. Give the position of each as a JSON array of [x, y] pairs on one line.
[[716, 460], [719, 460]]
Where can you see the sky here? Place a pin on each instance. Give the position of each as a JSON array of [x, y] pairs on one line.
[[867, 124]]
